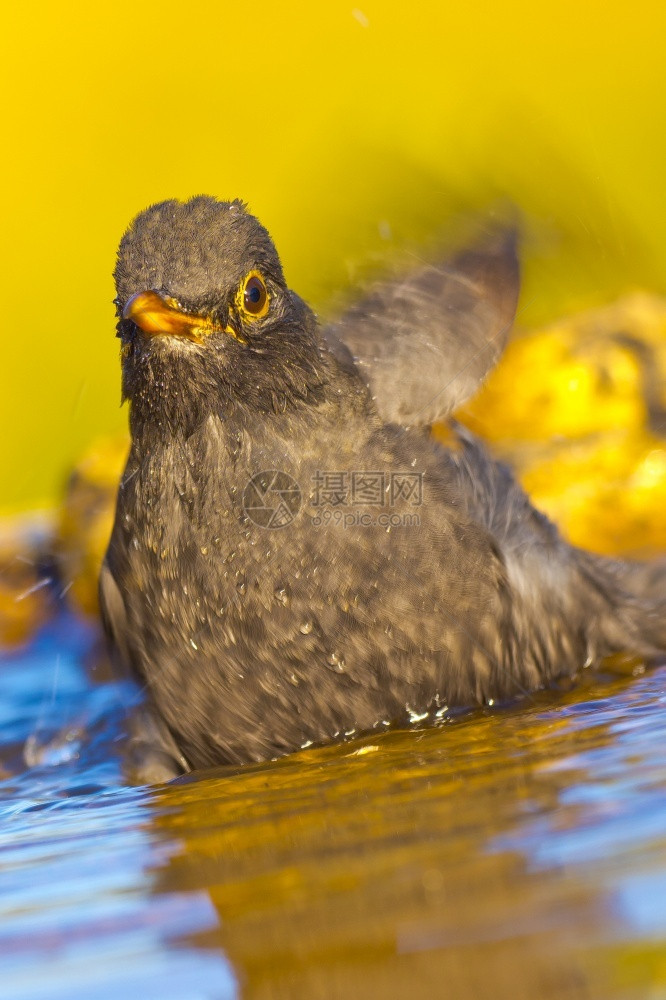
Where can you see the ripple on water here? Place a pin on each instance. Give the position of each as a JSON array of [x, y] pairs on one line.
[[509, 852]]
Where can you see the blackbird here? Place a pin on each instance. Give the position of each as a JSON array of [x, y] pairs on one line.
[[294, 558]]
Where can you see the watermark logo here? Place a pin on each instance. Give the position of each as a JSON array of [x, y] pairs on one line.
[[272, 499]]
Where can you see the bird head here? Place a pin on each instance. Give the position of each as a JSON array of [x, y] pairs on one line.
[[205, 316]]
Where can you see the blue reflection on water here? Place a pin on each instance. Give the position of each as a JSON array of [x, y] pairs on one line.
[[79, 916], [609, 830]]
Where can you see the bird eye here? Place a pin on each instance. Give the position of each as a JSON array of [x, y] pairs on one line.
[[255, 296]]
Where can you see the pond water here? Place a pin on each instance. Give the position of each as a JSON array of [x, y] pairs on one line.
[[517, 852]]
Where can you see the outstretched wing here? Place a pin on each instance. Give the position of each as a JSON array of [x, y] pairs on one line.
[[424, 343]]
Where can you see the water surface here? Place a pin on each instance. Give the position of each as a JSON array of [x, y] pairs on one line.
[[515, 852]]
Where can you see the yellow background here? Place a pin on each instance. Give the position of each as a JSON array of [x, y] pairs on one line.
[[331, 122]]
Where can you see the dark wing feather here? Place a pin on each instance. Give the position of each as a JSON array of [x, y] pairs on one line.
[[151, 754], [424, 343], [114, 620]]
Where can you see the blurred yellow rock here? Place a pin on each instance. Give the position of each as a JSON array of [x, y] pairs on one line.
[[86, 518], [607, 494], [579, 410], [25, 579], [602, 370]]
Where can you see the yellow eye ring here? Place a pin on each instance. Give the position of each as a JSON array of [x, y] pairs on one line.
[[253, 298]]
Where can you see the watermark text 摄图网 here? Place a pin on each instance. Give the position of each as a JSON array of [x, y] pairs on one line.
[[367, 488]]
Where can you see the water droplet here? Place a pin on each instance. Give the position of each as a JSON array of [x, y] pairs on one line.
[[241, 587], [306, 628], [62, 749], [281, 596], [204, 550], [336, 660], [416, 716], [362, 751], [193, 644]]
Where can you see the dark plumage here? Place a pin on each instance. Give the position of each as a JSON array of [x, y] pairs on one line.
[[253, 641]]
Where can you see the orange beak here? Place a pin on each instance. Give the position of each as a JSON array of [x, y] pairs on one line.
[[159, 316]]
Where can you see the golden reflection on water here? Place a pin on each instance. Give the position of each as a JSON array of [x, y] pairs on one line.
[[436, 863]]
